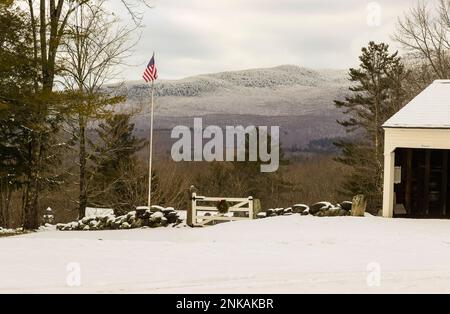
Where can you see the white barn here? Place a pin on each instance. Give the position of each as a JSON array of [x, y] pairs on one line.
[[416, 156]]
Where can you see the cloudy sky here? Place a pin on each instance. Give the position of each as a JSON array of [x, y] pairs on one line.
[[202, 36]]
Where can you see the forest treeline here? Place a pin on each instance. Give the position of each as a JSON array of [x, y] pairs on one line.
[[57, 55]]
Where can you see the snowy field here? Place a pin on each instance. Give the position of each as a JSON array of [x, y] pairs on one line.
[[279, 255]]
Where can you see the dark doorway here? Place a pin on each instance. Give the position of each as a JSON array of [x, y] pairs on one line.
[[424, 190]]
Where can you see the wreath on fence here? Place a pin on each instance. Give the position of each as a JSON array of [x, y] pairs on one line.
[[223, 207]]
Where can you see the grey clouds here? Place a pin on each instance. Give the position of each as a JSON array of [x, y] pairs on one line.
[[203, 36]]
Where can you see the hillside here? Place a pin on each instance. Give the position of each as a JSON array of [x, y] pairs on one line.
[[285, 95]]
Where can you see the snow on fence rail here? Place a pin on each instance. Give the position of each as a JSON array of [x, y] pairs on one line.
[[205, 210]]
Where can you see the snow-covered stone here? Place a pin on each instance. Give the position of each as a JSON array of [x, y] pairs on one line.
[[315, 208], [125, 225], [347, 205], [299, 208], [142, 217], [156, 208], [261, 215]]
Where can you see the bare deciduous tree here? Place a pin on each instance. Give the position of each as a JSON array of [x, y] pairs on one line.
[[49, 21], [425, 35], [96, 45]]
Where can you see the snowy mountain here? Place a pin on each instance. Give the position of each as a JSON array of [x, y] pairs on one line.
[[279, 91], [300, 100]]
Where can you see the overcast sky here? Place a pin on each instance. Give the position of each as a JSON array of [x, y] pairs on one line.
[[202, 36]]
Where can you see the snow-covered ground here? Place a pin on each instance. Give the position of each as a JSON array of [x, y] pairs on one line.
[[279, 255]]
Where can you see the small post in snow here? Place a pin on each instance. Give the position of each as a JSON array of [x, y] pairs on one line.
[[359, 205]]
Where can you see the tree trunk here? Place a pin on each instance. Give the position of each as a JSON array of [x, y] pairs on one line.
[[31, 196], [83, 188], [43, 45], [30, 216], [5, 202], [6, 213], [35, 43], [2, 207]]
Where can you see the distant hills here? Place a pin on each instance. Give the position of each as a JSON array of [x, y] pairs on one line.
[[298, 99]]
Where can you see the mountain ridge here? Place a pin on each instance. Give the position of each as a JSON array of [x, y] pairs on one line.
[[298, 99], [282, 90]]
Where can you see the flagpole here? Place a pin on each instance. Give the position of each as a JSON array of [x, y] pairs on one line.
[[151, 149]]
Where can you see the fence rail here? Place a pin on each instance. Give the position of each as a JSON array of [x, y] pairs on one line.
[[239, 209]]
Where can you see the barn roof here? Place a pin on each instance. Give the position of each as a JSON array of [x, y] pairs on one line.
[[430, 109]]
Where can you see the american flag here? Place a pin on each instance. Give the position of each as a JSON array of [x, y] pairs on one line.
[[151, 73]]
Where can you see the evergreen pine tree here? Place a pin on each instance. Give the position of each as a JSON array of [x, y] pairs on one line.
[[376, 94], [16, 86], [119, 181]]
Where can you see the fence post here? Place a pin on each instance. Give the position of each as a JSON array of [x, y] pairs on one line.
[[190, 213], [194, 209], [256, 207], [250, 206]]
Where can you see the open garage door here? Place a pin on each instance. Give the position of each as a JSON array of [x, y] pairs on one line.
[[422, 188]]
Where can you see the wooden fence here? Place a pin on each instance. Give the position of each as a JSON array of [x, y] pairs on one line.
[[203, 210]]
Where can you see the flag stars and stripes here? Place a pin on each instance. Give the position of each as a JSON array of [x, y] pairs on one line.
[[150, 73]]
